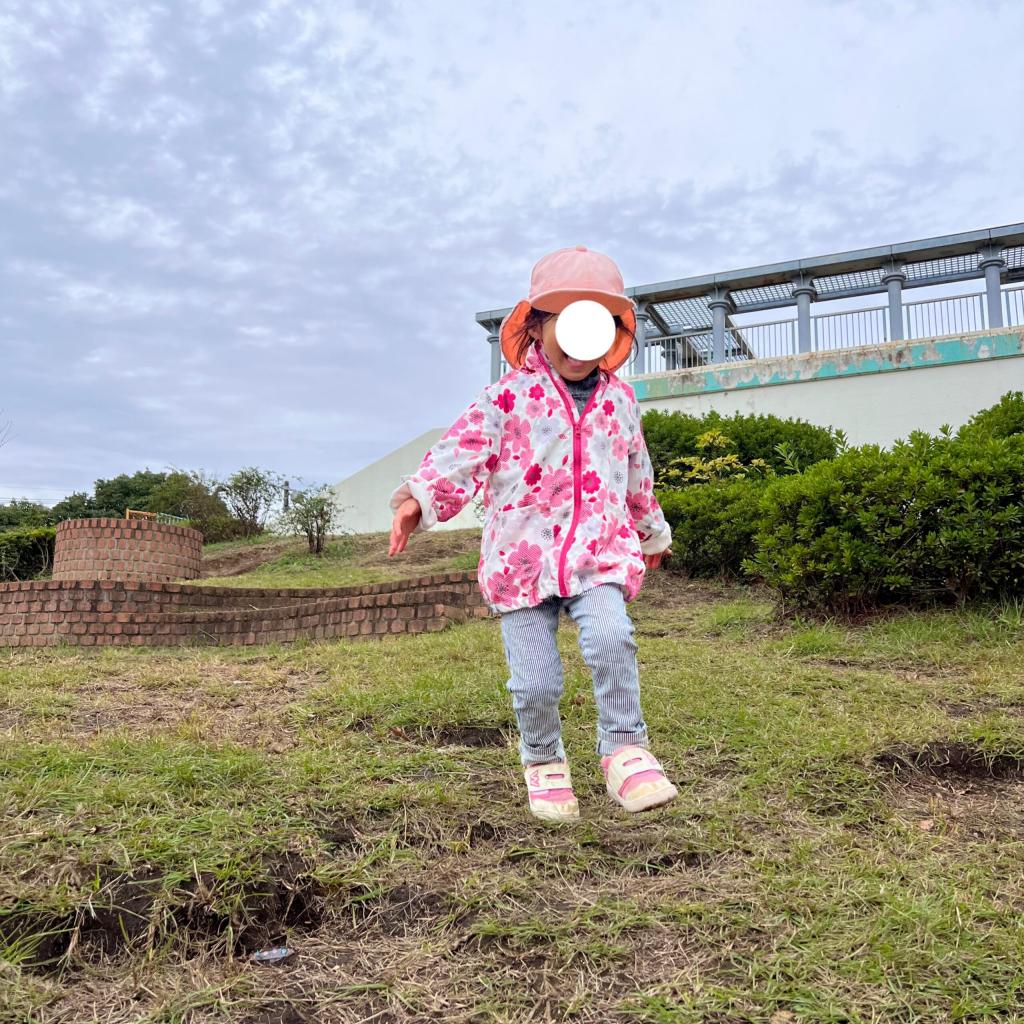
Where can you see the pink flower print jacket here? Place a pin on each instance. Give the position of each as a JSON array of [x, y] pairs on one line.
[[569, 500]]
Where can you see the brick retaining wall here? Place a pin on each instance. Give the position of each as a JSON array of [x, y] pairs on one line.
[[42, 613], [126, 549]]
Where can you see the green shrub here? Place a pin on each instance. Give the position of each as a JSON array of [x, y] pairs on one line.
[[220, 528], [25, 554], [935, 518], [713, 525], [675, 435], [1003, 419]]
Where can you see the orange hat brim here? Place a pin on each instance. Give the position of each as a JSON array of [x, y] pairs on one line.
[[512, 325]]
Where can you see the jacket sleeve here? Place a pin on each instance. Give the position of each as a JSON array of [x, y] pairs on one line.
[[648, 518], [456, 467]]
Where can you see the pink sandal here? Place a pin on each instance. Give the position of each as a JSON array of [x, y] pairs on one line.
[[635, 779], [550, 791]]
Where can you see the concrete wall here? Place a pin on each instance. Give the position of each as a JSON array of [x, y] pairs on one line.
[[365, 494], [875, 393]]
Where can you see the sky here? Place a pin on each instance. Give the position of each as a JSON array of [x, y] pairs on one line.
[[256, 232]]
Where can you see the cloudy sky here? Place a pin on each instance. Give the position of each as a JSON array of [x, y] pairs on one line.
[[241, 232]]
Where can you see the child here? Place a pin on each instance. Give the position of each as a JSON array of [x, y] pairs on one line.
[[571, 522]]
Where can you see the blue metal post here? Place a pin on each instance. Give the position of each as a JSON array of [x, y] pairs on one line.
[[992, 263], [804, 293], [643, 319], [894, 278], [720, 305], [495, 343]]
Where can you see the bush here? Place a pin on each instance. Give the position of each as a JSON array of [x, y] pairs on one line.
[[675, 435], [220, 528], [713, 525], [314, 513], [1003, 419], [25, 554], [936, 518]]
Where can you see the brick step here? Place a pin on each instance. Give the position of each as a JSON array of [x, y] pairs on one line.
[[91, 613]]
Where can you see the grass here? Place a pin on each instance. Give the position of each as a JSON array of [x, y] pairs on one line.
[[348, 561], [326, 795]]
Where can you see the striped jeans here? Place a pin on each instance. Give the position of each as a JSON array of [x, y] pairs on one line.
[[606, 641]]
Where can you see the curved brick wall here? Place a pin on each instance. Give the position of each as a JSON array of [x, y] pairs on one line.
[[41, 613], [126, 549]]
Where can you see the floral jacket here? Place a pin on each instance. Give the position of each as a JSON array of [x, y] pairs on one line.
[[569, 500]]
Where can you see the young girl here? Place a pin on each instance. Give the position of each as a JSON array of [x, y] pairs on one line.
[[571, 523]]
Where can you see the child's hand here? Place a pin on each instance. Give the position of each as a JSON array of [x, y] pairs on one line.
[[654, 561], [406, 520]]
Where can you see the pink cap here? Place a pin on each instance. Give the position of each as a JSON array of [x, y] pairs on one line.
[[567, 275]]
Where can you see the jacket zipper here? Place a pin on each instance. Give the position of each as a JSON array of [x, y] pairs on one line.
[[577, 469]]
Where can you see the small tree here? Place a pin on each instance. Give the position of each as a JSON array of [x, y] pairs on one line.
[[191, 496], [75, 506], [314, 514], [251, 494], [114, 496]]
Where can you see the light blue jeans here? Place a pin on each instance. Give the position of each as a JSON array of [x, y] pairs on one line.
[[608, 647]]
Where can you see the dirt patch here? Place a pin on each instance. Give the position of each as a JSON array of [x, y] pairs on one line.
[[639, 855], [453, 735], [982, 810], [428, 548], [238, 561], [951, 759], [139, 911], [956, 790], [666, 590]]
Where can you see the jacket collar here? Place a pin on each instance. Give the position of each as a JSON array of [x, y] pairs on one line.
[[537, 362]]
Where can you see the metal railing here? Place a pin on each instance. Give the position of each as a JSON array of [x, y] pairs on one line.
[[1013, 306], [954, 314], [761, 341], [850, 329], [930, 318], [157, 517]]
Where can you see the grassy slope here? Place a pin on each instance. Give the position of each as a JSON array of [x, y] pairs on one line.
[[352, 561], [792, 881]]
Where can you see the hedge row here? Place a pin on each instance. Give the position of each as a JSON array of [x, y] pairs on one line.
[[934, 519], [25, 554]]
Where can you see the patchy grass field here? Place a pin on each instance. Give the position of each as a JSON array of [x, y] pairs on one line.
[[846, 845]]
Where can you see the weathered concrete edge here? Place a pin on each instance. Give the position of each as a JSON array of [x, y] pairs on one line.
[[852, 362]]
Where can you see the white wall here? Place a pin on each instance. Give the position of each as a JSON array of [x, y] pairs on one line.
[[876, 394], [871, 409], [364, 495]]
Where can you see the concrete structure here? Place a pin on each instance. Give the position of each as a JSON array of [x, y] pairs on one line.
[[364, 495], [874, 393]]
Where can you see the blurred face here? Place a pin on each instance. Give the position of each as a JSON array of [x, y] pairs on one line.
[[569, 368]]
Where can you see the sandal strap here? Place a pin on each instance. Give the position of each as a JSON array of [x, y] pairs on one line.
[[632, 761], [541, 777]]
